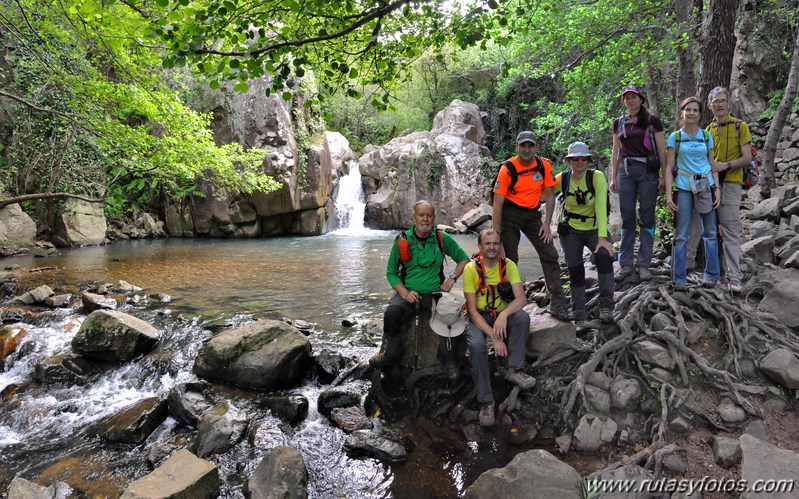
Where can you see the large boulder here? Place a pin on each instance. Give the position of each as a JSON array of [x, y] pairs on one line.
[[781, 299], [114, 336], [16, 227], [442, 165], [133, 424], [80, 223], [182, 475], [535, 474], [263, 355], [219, 429], [769, 466]]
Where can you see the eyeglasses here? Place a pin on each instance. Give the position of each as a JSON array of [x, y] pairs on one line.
[[584, 159], [717, 102]]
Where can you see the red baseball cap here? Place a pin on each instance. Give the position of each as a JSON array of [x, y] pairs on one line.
[[634, 89]]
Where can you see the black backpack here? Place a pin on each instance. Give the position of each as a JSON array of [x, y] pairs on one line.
[[564, 191], [514, 175]]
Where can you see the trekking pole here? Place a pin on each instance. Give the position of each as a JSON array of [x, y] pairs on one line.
[[416, 339]]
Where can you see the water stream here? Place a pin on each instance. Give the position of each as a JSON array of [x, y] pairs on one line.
[[318, 279]]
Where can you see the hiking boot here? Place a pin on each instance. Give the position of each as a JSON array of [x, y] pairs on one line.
[[486, 416], [606, 315], [735, 286], [680, 286], [709, 283], [519, 378], [644, 273], [381, 361], [581, 327], [622, 273], [560, 310], [452, 372]]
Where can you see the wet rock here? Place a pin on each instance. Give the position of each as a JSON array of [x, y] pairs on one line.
[[291, 408], [10, 338], [340, 396], [188, 401], [652, 352], [124, 287], [280, 474], [219, 429], [24, 489], [37, 295], [59, 301], [329, 365], [263, 355], [535, 474], [629, 473], [66, 370], [362, 442], [730, 412], [350, 419], [92, 302], [114, 336], [547, 331], [475, 433], [11, 314], [592, 432], [782, 366], [624, 392], [133, 424], [726, 451], [597, 400], [182, 475]]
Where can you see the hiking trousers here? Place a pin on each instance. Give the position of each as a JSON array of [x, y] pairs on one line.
[[517, 220], [637, 186], [398, 317], [685, 205], [729, 221], [517, 331], [573, 244]]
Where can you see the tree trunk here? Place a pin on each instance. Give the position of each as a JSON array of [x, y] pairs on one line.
[[716, 49], [686, 81], [778, 122]]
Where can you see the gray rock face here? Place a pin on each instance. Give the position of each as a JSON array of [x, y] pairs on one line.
[[759, 249], [281, 474], [339, 396], [782, 366], [730, 412], [263, 355], [350, 418], [291, 408], [182, 475], [80, 223], [114, 336], [442, 165], [535, 474], [188, 401], [763, 461], [219, 429], [654, 353], [16, 227], [546, 332], [92, 302], [768, 209], [624, 392], [781, 300], [25, 489]]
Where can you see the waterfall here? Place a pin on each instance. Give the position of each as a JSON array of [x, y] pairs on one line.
[[350, 202]]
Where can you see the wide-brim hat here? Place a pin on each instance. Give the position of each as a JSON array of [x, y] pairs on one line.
[[579, 150], [448, 318]]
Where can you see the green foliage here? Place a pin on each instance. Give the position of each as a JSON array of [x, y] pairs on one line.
[[773, 103], [664, 221], [103, 118]]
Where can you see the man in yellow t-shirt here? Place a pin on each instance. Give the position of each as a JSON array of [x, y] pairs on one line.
[[732, 152], [495, 301]]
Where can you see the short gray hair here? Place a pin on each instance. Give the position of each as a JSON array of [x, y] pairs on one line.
[[715, 92], [421, 202]]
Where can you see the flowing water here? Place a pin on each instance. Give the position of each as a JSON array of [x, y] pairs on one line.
[[319, 279]]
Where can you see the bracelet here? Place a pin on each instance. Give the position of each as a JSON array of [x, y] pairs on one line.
[[453, 277]]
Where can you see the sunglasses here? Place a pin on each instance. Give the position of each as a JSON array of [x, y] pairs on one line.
[[584, 159]]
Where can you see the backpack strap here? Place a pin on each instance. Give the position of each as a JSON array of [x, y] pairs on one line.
[[402, 236], [589, 182], [482, 281], [514, 174]]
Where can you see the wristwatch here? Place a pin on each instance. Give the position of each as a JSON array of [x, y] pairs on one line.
[[453, 277]]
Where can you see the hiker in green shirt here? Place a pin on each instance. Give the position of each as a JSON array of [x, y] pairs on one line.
[[415, 270]]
